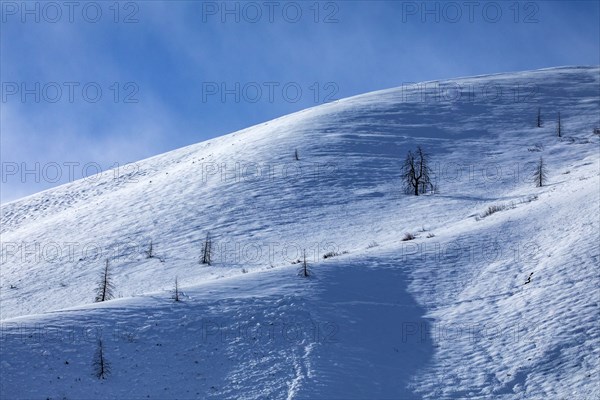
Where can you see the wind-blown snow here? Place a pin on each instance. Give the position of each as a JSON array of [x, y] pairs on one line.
[[447, 315]]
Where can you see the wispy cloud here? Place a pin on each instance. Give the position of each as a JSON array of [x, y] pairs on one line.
[[172, 50]]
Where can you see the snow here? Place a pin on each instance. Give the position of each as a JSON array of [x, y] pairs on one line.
[[447, 315]]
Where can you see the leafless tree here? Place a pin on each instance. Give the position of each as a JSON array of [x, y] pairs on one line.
[[207, 250], [304, 269], [176, 292], [150, 251], [416, 173], [105, 288], [539, 174], [101, 366]]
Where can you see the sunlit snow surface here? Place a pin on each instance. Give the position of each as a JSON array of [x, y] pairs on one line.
[[447, 315]]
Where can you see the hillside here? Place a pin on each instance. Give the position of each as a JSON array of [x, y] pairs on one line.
[[446, 315]]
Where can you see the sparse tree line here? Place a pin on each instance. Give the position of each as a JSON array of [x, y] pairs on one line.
[[105, 288], [539, 123], [417, 175], [540, 171], [105, 292]]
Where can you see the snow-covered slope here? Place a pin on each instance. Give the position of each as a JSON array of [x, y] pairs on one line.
[[447, 315]]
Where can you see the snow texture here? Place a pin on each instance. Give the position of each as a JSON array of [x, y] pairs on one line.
[[484, 303]]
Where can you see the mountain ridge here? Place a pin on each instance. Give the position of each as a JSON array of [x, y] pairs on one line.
[[412, 319]]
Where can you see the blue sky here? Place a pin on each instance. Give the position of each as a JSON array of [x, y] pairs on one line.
[[91, 85]]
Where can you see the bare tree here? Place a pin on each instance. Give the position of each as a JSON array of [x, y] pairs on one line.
[[304, 269], [176, 292], [416, 173], [539, 118], [105, 288], [558, 126], [207, 250], [539, 174], [101, 366], [150, 251]]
